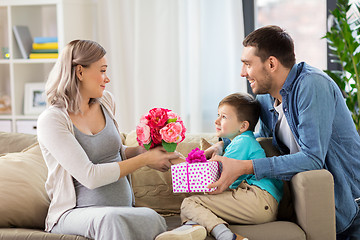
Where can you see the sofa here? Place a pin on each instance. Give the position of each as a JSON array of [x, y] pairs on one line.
[[307, 210]]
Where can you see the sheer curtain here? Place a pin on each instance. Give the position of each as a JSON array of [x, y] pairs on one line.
[[183, 55]]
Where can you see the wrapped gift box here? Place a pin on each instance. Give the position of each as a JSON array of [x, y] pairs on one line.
[[194, 177]]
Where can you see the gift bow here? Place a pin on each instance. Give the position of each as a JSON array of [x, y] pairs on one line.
[[195, 156]]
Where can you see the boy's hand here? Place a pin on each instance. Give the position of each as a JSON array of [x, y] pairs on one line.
[[215, 149], [181, 159]]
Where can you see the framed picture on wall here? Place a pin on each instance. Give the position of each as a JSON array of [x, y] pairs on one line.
[[34, 100]]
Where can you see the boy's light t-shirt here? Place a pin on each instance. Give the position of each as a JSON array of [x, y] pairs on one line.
[[245, 147]]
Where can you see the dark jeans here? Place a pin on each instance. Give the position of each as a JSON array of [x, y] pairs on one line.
[[353, 232]]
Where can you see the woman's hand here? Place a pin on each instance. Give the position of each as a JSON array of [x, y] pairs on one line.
[[134, 151], [215, 149], [158, 158]]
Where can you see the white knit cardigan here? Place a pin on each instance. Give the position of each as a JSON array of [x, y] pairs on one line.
[[65, 158]]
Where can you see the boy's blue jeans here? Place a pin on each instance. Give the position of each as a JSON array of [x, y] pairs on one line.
[[353, 232]]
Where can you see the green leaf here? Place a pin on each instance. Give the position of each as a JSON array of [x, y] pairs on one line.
[[170, 147], [171, 120], [343, 41], [147, 146]]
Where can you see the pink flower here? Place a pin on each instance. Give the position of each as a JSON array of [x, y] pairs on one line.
[[155, 136], [196, 155], [157, 117], [183, 128], [173, 115], [143, 119], [143, 133], [171, 133]]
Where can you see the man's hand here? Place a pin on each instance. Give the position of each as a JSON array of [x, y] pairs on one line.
[[215, 149], [231, 170]]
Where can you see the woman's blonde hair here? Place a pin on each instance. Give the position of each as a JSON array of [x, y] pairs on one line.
[[62, 86]]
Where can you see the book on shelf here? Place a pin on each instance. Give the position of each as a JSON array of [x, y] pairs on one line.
[[44, 51], [50, 45], [43, 55], [23, 39], [45, 39], [44, 47]]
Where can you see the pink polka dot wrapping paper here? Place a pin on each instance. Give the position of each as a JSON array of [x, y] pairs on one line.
[[194, 177]]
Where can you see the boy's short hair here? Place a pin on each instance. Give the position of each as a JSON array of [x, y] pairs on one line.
[[246, 106]]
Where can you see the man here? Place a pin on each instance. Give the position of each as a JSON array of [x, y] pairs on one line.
[[305, 113]]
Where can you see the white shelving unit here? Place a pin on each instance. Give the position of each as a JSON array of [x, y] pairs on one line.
[[65, 19]]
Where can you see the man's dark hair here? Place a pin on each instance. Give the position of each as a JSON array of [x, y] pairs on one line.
[[246, 106], [272, 41]]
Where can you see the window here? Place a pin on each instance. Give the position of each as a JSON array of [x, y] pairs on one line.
[[304, 20]]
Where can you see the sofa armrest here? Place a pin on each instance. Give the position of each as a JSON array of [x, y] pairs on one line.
[[314, 204]]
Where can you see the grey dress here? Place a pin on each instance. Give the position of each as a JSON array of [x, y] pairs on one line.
[[106, 212]]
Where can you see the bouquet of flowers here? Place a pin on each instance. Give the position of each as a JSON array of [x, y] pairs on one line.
[[160, 127]]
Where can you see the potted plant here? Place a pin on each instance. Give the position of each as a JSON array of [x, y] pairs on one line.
[[344, 44]]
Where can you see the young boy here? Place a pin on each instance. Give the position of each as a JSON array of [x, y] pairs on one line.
[[248, 201]]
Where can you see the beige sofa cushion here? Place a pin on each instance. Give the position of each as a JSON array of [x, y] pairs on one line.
[[23, 199], [15, 142], [153, 189]]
